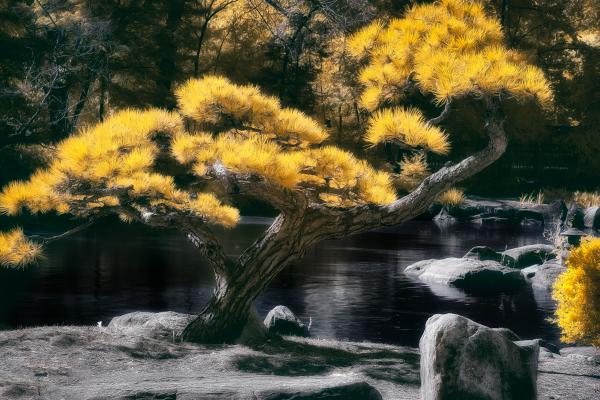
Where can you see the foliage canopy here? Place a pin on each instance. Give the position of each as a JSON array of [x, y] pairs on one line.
[[132, 163]]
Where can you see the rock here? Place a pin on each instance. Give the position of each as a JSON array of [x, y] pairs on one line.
[[507, 211], [461, 359], [525, 256], [543, 276], [282, 321], [518, 257], [591, 217], [484, 253], [467, 273], [167, 324], [444, 219]]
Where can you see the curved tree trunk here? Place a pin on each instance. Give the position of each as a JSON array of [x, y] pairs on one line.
[[226, 315], [303, 224]]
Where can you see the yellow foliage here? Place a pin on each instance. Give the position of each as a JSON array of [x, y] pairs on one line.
[[247, 153], [209, 207], [16, 250], [214, 100], [413, 170], [577, 291], [452, 49], [452, 197], [113, 166], [406, 127], [360, 43]]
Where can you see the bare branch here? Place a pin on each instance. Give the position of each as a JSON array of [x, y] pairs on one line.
[[63, 235], [444, 114]]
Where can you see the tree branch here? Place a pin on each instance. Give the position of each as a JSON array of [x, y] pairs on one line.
[[63, 235], [440, 118], [338, 223]]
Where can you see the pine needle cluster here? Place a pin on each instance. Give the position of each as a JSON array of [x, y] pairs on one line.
[[450, 49], [16, 250], [406, 127]]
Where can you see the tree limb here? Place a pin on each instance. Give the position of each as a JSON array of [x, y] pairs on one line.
[[444, 114], [63, 235], [339, 223]]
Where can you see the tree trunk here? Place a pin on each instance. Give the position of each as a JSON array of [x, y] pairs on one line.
[[226, 316]]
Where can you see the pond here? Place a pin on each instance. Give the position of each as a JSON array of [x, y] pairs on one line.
[[351, 289]]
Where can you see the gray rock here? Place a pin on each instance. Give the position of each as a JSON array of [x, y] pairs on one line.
[[167, 324], [444, 219], [484, 253], [543, 276], [532, 254], [282, 321], [591, 217], [461, 359], [467, 273], [507, 211], [518, 257]]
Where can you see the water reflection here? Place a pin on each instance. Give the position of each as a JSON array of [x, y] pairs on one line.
[[353, 288]]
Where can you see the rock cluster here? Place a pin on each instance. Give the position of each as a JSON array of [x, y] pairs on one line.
[[500, 211], [482, 268]]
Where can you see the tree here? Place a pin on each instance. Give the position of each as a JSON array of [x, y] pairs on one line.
[[577, 292], [59, 52], [157, 167]]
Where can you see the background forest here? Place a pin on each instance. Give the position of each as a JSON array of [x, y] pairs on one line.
[[68, 63]]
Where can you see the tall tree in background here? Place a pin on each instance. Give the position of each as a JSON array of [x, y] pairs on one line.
[[245, 141], [563, 37], [61, 53]]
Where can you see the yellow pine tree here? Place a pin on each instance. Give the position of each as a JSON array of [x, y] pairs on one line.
[[237, 137]]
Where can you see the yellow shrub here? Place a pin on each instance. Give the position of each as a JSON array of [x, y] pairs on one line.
[[452, 197], [577, 291]]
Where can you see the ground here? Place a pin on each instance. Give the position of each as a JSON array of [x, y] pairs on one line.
[[106, 363]]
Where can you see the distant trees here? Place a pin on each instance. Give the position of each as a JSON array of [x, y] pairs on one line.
[[577, 291], [168, 168], [58, 54]]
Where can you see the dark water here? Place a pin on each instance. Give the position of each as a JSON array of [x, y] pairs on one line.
[[352, 289]]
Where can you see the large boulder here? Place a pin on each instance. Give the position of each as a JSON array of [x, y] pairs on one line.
[[518, 257], [526, 256], [282, 321], [461, 359], [591, 217], [543, 276], [467, 273], [160, 325], [485, 253]]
